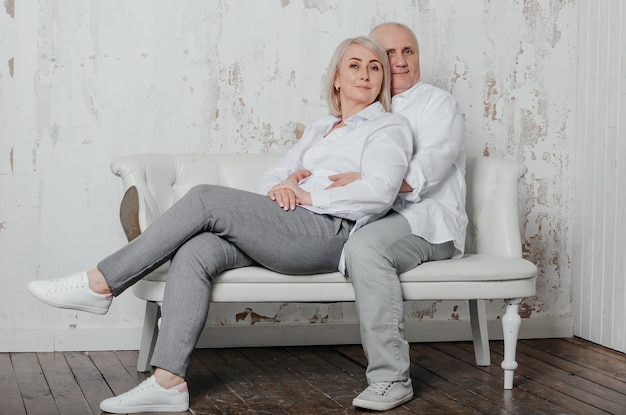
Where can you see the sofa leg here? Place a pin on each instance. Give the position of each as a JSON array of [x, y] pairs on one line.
[[148, 336], [480, 334], [511, 322]]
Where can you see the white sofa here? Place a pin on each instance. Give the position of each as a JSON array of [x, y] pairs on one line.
[[493, 267]]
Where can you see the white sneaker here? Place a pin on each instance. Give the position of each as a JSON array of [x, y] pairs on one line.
[[382, 396], [71, 292], [149, 396]]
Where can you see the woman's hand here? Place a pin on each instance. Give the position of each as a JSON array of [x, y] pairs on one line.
[[297, 176], [288, 194]]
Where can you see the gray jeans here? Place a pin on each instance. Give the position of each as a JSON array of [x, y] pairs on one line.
[[209, 230], [375, 255]]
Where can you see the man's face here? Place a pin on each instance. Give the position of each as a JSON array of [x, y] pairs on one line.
[[403, 56]]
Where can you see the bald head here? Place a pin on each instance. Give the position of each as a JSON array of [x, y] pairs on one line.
[[402, 48]]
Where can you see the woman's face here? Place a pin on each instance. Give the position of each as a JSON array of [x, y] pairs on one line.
[[359, 78]]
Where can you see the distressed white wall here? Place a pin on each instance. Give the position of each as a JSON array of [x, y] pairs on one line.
[[84, 82]]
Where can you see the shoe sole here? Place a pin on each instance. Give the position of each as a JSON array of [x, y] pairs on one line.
[[380, 406], [144, 408], [93, 310]]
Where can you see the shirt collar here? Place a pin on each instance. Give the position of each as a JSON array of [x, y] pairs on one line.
[[397, 99], [371, 112]]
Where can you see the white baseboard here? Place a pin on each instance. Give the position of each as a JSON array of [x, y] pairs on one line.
[[269, 335], [416, 331]]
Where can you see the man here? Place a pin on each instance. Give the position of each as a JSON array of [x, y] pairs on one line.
[[427, 222]]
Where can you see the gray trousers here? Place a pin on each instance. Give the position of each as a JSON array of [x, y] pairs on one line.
[[375, 255], [209, 230]]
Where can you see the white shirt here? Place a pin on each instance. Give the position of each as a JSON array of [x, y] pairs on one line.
[[435, 209], [374, 142]]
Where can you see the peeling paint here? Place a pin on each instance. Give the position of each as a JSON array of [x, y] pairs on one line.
[[455, 314], [320, 5], [250, 316], [413, 311], [9, 6], [2, 226], [54, 133], [11, 160], [34, 154], [234, 75], [490, 100], [10, 63], [298, 130], [525, 310]]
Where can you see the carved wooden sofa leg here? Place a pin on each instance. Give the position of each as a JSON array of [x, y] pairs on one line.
[[511, 322]]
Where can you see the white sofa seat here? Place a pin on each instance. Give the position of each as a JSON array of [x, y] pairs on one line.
[[493, 267]]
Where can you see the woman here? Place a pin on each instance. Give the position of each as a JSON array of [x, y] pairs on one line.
[[295, 224]]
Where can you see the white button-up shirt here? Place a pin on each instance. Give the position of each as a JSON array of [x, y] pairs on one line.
[[435, 209], [374, 142]]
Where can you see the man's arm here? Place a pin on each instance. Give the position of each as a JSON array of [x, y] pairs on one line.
[[343, 179]]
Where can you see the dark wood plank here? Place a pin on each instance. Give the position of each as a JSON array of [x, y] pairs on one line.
[[525, 380], [207, 394], [578, 375], [63, 386], [590, 362], [554, 376], [596, 348], [113, 372], [128, 358], [250, 400], [91, 382], [261, 387], [524, 402], [12, 402], [561, 381], [32, 383], [451, 382], [323, 376], [292, 391]]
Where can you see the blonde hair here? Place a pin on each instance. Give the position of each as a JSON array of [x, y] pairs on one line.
[[332, 94]]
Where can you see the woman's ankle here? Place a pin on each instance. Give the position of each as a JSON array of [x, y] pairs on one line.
[[97, 282]]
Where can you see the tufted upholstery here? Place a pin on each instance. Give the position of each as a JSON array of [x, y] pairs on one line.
[[492, 268]]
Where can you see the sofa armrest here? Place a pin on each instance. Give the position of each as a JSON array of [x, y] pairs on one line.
[[151, 178]]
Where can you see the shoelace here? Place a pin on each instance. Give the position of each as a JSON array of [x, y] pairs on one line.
[[68, 283], [380, 388], [145, 385]]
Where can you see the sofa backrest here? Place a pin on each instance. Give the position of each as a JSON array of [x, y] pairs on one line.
[[492, 201]]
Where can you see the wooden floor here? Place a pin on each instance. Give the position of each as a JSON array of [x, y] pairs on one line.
[[560, 376]]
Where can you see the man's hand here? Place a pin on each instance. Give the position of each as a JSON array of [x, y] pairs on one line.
[[405, 187], [343, 179]]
